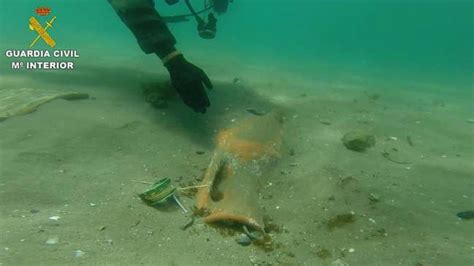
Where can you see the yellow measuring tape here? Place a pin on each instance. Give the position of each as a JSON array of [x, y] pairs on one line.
[[42, 33]]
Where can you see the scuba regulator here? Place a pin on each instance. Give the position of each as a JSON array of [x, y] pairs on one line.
[[206, 29]]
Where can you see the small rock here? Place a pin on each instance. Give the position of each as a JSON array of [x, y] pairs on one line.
[[323, 253], [79, 253], [54, 218], [256, 112], [339, 262], [243, 240], [253, 259], [341, 220], [466, 215], [292, 152], [374, 198], [325, 122], [52, 240], [266, 197], [358, 140]]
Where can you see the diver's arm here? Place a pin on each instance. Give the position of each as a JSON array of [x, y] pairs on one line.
[[153, 36], [146, 24]]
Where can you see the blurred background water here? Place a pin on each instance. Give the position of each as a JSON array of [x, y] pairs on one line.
[[425, 38]]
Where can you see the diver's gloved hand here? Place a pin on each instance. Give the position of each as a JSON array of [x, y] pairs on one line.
[[189, 81]]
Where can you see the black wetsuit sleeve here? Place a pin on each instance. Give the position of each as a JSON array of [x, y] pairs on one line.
[[149, 29]]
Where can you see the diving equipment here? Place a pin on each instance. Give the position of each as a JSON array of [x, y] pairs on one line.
[[206, 30]]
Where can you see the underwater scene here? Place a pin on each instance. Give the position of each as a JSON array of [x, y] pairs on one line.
[[237, 132]]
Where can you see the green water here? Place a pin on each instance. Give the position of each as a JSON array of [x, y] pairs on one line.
[[399, 70], [422, 37]]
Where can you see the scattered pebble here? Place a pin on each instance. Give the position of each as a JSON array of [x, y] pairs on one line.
[[351, 250], [256, 112], [34, 211], [358, 140], [324, 253], [374, 198], [253, 259], [54, 218], [200, 152], [52, 240], [341, 220], [92, 204], [243, 240], [339, 262], [79, 253]]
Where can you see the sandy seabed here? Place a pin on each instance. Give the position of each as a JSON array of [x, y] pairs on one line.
[[85, 162]]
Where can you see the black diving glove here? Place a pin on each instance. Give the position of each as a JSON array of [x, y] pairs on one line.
[[188, 80]]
